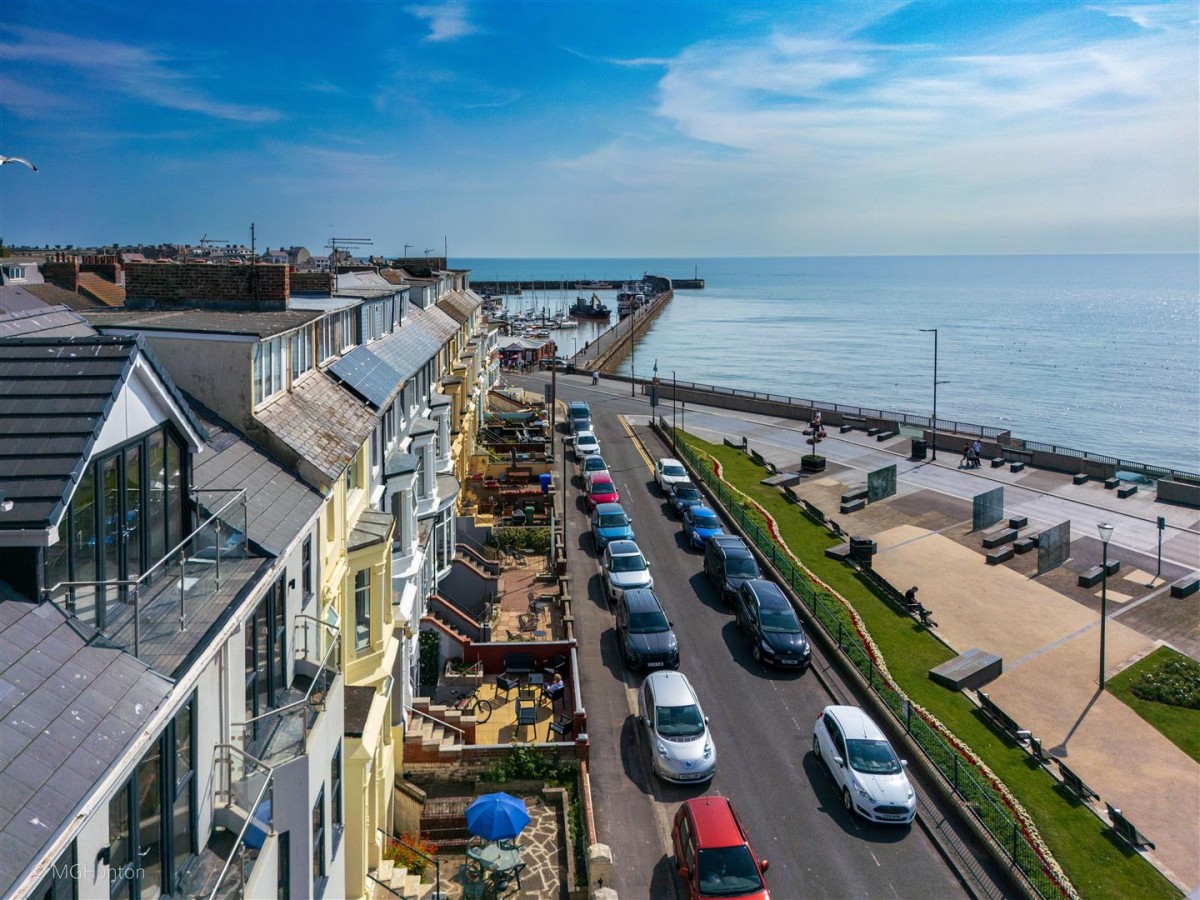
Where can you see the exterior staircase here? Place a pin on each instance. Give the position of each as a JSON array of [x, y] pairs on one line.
[[401, 882], [428, 736]]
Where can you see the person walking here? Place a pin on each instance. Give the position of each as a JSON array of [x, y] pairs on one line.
[[595, 376], [966, 457]]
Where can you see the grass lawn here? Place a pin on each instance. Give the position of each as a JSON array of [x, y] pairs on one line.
[[1179, 725], [1097, 864]]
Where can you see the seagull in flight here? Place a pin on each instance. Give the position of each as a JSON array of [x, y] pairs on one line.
[[4, 160]]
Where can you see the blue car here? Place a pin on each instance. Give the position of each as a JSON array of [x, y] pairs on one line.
[[609, 523], [699, 524]]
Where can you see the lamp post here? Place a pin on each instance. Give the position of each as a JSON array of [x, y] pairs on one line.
[[674, 403], [632, 358], [935, 386], [1106, 531]]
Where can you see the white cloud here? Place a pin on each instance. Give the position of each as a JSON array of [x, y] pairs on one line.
[[447, 21], [134, 71]]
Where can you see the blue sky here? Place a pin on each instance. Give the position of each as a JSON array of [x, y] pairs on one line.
[[606, 128]]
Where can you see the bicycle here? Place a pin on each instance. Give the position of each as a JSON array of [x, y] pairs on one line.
[[472, 704]]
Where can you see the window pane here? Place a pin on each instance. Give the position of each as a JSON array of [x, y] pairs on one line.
[[118, 829], [175, 508], [150, 812], [156, 498], [133, 511], [362, 609]]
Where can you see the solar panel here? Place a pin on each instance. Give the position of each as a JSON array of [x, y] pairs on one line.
[[369, 375]]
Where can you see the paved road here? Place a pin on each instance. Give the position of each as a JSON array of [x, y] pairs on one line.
[[762, 722]]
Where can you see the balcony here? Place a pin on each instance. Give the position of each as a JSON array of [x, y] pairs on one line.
[[160, 616], [281, 735], [243, 823]]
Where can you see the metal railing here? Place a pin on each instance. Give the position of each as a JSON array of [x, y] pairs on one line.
[[436, 858], [1002, 436], [970, 784], [282, 734], [120, 609], [462, 734], [236, 775]]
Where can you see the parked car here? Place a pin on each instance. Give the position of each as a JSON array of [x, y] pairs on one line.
[[586, 445], [682, 495], [766, 616], [600, 489], [592, 463], [713, 853], [625, 568], [728, 565], [668, 472], [677, 735], [864, 766], [578, 408], [699, 524], [610, 523], [579, 424], [644, 633], [562, 363]]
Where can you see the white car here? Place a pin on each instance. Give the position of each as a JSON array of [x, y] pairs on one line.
[[864, 766], [586, 445], [668, 472], [677, 735], [625, 568]]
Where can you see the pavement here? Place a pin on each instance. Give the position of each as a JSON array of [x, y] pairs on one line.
[[1045, 627]]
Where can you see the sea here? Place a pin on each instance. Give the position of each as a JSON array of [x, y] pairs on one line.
[[1093, 352]]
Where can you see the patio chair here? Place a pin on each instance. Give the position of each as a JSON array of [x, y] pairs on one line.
[[556, 666], [563, 726], [507, 683], [526, 716]]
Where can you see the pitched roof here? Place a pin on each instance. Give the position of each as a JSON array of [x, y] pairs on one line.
[[248, 322], [68, 713], [93, 285], [55, 395], [52, 293]]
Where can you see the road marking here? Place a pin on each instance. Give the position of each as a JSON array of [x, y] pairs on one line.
[[637, 445]]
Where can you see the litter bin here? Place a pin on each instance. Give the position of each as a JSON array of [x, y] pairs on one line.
[[918, 449], [544, 478], [529, 511]]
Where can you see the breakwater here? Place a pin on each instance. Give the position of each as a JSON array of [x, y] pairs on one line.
[[515, 287]]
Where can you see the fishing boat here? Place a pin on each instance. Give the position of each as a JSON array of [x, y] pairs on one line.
[[590, 309], [624, 304]]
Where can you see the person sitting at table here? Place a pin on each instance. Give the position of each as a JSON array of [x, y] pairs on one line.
[[556, 688]]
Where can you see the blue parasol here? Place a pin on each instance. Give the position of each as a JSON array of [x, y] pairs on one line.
[[495, 817]]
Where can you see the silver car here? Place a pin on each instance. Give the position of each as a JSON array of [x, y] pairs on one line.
[[625, 569], [864, 766], [676, 729]]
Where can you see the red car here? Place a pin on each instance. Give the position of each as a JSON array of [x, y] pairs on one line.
[[713, 853], [600, 489]]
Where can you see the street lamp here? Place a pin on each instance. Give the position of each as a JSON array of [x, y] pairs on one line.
[[935, 385], [674, 403], [1106, 531]]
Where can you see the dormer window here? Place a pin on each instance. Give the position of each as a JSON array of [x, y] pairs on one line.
[[268, 370]]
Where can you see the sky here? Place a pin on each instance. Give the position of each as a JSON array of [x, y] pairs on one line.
[[605, 129]]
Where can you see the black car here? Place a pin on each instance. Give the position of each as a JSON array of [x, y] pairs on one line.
[[729, 565], [776, 636], [683, 495], [643, 632]]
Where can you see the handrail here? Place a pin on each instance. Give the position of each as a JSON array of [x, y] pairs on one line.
[[387, 887], [303, 701], [425, 715], [250, 819], [436, 859]]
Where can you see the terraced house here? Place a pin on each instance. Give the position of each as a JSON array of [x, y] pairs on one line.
[[229, 501]]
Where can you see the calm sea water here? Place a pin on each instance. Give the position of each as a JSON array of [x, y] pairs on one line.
[[1099, 353]]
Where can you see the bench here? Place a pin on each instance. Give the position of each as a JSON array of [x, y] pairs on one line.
[[1018, 521], [1074, 784], [1126, 490], [1081, 478], [813, 511], [998, 461], [1185, 587], [1125, 830], [1110, 483], [1017, 467], [519, 664], [873, 430], [858, 492], [996, 538], [1091, 577], [1035, 750], [885, 435], [1002, 720], [849, 423], [854, 505], [1001, 554], [840, 552], [1114, 566], [1024, 545]]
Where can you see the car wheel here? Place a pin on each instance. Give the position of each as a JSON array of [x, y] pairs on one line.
[[846, 801], [816, 747], [756, 652]]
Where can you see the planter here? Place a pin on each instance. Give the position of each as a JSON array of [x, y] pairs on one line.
[[812, 463]]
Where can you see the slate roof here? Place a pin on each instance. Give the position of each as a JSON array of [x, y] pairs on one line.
[[279, 505], [452, 309], [372, 527], [437, 323], [52, 293], [247, 322], [55, 394], [68, 712], [47, 321], [399, 463], [320, 421]]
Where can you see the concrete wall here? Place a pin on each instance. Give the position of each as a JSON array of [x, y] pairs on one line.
[[1179, 492], [208, 371]]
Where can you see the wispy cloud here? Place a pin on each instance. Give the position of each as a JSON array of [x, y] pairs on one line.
[[149, 76], [635, 63], [447, 21]]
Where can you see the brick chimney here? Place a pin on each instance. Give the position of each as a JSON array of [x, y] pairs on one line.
[[219, 287], [62, 269]]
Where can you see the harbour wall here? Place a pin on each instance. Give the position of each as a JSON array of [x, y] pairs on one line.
[[515, 287], [607, 351]]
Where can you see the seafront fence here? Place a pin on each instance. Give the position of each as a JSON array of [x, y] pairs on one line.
[[1001, 436], [971, 785]]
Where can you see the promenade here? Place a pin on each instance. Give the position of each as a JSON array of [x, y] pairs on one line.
[[1045, 628]]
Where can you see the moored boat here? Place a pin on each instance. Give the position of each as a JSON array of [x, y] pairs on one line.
[[589, 309]]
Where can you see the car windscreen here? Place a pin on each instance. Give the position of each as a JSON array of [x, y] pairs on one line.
[[602, 488], [741, 567], [648, 622], [594, 464], [706, 520], [872, 757], [613, 520], [679, 721], [687, 492], [585, 440], [632, 563], [727, 872], [675, 471], [779, 620]]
